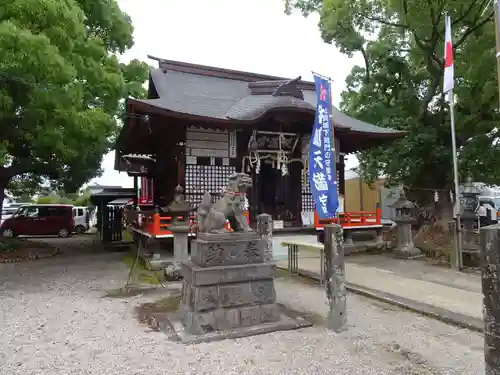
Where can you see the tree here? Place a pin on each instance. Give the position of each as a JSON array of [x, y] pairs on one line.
[[399, 86], [61, 89]]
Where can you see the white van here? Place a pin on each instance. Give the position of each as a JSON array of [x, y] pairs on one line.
[[9, 210], [81, 215], [493, 202]]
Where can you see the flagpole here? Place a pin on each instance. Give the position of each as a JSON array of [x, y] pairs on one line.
[[458, 235], [497, 39], [448, 84], [333, 138], [333, 127]]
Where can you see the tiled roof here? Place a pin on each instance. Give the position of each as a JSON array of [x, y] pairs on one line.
[[218, 97], [252, 107]]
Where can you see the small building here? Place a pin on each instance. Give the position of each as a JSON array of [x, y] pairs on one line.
[[96, 188], [200, 124]]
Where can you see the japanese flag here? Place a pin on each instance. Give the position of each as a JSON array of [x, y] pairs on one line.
[[448, 83]]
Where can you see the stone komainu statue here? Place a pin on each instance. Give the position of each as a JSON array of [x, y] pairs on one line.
[[212, 217]]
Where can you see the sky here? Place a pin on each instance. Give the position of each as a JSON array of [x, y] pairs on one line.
[[254, 36]]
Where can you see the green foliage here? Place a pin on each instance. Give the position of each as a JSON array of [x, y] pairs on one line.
[[24, 198], [48, 200], [83, 199], [399, 86], [74, 199], [61, 89], [8, 245]]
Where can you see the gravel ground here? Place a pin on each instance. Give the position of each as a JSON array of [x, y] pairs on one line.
[[54, 320]]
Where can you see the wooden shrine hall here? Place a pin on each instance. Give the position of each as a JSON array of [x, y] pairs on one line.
[[200, 124]]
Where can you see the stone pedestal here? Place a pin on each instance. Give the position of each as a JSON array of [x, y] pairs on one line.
[[153, 256], [405, 247], [228, 290], [348, 238], [379, 236], [227, 284], [180, 232], [470, 236]]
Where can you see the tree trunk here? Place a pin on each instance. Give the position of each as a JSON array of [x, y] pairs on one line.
[[4, 181]]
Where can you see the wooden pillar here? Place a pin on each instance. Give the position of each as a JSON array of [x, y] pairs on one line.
[[136, 191], [181, 167], [361, 200], [490, 282], [242, 138], [335, 278], [105, 223], [295, 188], [341, 174], [255, 207]]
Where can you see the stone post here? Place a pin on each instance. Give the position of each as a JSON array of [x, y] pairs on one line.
[[335, 278], [179, 208], [454, 259], [180, 243], [348, 238], [265, 231], [173, 270], [490, 281]]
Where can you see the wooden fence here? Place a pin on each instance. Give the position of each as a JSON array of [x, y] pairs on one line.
[[360, 196]]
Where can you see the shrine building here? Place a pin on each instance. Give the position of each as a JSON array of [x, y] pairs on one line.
[[200, 124]]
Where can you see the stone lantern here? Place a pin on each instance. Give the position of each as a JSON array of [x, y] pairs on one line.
[[404, 220], [179, 208], [468, 203]]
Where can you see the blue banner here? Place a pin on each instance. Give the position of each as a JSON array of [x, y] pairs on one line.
[[322, 175]]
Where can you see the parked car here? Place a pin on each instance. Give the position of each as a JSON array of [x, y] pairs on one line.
[[81, 215], [40, 219], [10, 210], [492, 204]]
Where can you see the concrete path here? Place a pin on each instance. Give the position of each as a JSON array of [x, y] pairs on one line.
[[420, 286]]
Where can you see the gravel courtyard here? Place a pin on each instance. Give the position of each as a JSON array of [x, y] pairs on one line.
[[55, 319]]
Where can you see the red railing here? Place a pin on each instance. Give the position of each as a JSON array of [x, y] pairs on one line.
[[156, 224], [352, 219]]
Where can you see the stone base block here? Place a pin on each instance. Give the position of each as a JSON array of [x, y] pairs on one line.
[[200, 276], [228, 249], [155, 262], [408, 253], [282, 321], [198, 323], [365, 246], [211, 297]]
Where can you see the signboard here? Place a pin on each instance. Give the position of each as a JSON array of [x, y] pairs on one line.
[[267, 141], [322, 175], [138, 166]]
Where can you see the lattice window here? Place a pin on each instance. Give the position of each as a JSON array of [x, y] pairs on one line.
[[202, 178], [306, 197], [307, 203], [307, 200]]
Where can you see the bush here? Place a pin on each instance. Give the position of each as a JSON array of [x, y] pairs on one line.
[[8, 245]]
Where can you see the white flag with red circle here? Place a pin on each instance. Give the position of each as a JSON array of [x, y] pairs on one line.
[[449, 79]]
